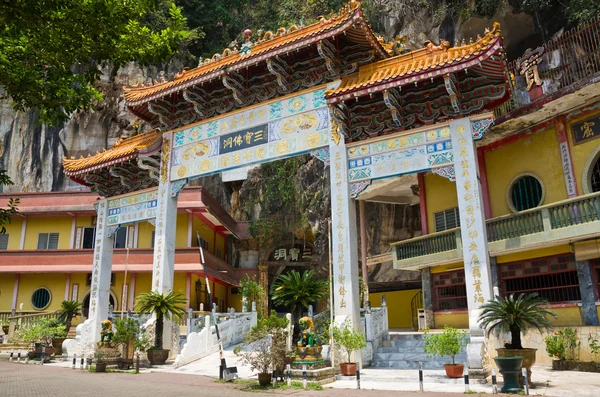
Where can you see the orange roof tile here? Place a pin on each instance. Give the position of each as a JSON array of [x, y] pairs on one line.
[[122, 150], [212, 68], [414, 63]]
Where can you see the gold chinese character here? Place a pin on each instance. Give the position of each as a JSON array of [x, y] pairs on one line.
[[467, 185], [470, 222], [224, 161], [475, 260], [463, 152], [473, 246], [238, 140], [473, 234], [464, 164], [476, 271], [343, 303], [236, 158], [469, 210], [462, 141], [465, 173], [227, 143], [248, 155], [341, 279], [258, 135], [342, 290], [248, 137], [260, 153], [586, 128], [477, 285]]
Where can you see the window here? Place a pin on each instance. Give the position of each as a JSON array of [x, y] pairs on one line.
[[47, 241], [40, 299], [595, 176], [124, 237], [3, 241], [449, 290], [448, 219], [525, 192], [553, 278], [85, 238]]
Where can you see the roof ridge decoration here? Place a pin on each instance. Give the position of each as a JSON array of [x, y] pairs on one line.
[[416, 62], [233, 59], [122, 150]]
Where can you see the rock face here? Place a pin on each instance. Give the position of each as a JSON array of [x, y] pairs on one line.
[[32, 153]]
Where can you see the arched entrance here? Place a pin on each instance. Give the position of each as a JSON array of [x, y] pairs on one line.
[[86, 303]]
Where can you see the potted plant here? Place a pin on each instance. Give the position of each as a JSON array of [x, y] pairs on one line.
[[349, 339], [449, 342], [516, 314], [68, 311], [41, 335], [563, 346], [101, 353], [163, 306], [266, 347], [125, 336]]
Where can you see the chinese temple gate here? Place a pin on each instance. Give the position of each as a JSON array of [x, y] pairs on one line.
[[332, 89]]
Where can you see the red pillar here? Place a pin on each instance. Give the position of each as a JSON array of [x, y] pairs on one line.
[[423, 203], [485, 192]]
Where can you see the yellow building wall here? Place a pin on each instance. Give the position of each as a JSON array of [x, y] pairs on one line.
[[205, 232], [454, 320], [539, 253], [7, 285], [446, 268], [13, 229], [181, 231], [539, 155], [235, 301], [581, 153], [220, 244], [566, 316], [48, 224], [398, 304], [145, 230], [83, 221], [29, 282], [440, 194]]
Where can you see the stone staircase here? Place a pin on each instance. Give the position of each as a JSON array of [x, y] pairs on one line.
[[405, 350]]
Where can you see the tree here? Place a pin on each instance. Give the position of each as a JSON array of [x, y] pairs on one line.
[[68, 310], [51, 50], [515, 315], [164, 306], [7, 213], [297, 291], [252, 292]]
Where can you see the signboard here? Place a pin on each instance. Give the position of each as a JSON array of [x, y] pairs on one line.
[[568, 170], [400, 154], [296, 253], [134, 207], [586, 130], [282, 128]]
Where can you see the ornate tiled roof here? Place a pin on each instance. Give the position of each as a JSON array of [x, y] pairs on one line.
[[283, 41], [418, 65], [123, 150]]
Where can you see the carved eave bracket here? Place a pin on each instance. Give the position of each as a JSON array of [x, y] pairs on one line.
[[340, 119], [327, 52], [451, 85], [447, 172], [393, 101], [280, 69], [236, 83], [165, 117], [152, 165]]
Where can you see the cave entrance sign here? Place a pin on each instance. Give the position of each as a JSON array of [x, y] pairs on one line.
[[335, 90]]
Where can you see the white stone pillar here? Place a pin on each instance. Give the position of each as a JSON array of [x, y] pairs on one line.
[[343, 238], [164, 241], [100, 288], [474, 237]]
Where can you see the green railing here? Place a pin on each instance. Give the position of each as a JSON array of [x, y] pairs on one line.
[[544, 219], [521, 224], [585, 209], [426, 245]]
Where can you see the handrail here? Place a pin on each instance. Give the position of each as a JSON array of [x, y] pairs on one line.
[[25, 316], [426, 236]]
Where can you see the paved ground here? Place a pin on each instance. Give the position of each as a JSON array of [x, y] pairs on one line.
[[21, 380], [58, 379]]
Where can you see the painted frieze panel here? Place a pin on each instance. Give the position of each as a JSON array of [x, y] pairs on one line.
[[134, 207], [290, 126]]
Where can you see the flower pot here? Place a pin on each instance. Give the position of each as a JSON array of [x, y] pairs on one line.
[[100, 367], [558, 365], [157, 356], [57, 345], [348, 369], [528, 360], [454, 370], [264, 379], [510, 368]]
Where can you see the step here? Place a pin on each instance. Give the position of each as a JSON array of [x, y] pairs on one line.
[[398, 349], [410, 356], [410, 364]]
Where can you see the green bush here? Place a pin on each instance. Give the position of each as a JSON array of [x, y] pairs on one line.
[[126, 330], [448, 343], [348, 338], [564, 344], [44, 331]]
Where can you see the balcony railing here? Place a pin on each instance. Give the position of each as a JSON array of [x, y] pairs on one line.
[[567, 61], [552, 224]]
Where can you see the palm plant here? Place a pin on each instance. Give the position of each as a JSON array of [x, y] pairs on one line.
[[68, 310], [164, 306], [297, 291], [515, 315]]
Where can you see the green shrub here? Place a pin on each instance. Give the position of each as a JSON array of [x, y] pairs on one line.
[[564, 344], [348, 338], [448, 343]]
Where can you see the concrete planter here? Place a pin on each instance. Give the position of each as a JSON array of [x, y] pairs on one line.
[[528, 360], [583, 366], [157, 356]]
